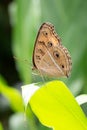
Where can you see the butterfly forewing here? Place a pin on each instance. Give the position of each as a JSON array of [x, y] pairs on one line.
[[50, 57]]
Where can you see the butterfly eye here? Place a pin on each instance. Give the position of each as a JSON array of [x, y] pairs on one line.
[[56, 54], [49, 44]]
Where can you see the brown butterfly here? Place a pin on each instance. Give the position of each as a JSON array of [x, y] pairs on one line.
[[50, 57]]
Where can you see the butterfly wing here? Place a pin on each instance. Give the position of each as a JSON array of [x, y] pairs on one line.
[[49, 56]]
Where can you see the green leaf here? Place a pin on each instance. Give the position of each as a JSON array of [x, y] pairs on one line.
[[1, 128], [28, 19], [55, 107], [13, 96]]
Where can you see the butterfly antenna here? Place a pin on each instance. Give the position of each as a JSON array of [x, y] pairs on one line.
[[29, 65]]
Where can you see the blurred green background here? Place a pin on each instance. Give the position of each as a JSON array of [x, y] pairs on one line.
[[19, 23]]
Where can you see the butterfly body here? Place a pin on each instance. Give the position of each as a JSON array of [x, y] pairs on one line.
[[50, 57]]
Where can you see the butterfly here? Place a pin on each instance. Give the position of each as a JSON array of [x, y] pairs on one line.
[[50, 57]]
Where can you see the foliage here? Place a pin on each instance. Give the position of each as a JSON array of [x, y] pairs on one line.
[[55, 106], [13, 95], [1, 128]]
